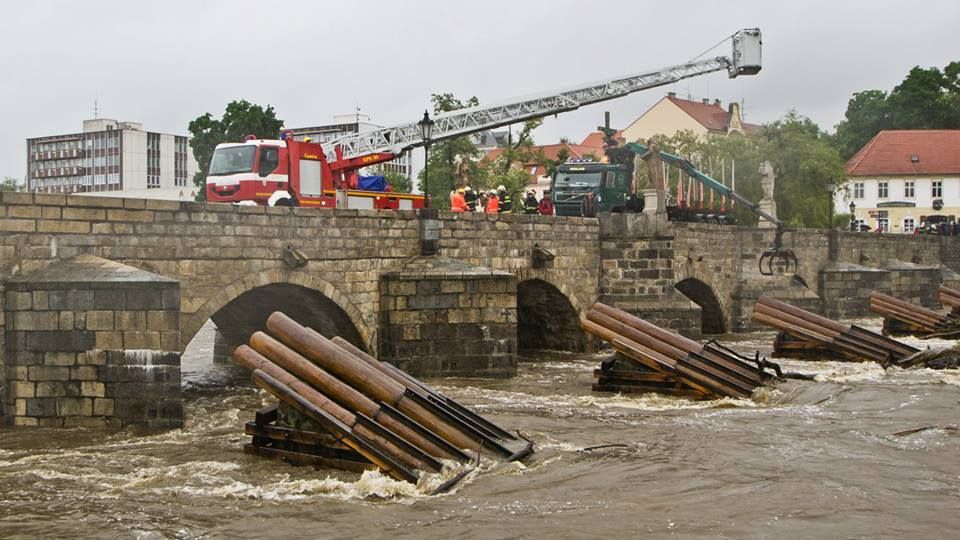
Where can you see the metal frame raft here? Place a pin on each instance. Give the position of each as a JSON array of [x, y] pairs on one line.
[[661, 361], [368, 413]]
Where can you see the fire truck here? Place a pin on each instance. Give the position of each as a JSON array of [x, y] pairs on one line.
[[294, 173]]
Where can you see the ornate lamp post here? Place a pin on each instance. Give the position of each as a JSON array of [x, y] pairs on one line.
[[426, 132], [830, 190], [853, 216]]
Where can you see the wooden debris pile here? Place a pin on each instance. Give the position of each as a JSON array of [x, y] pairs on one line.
[[804, 335], [661, 361], [359, 413], [901, 318]]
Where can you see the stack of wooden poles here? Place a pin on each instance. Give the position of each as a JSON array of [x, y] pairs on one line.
[[903, 318], [369, 413], [950, 298], [816, 336], [661, 361]]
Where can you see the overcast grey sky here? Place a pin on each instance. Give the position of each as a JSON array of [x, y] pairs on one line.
[[165, 63]]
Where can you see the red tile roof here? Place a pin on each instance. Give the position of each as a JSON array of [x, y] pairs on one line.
[[891, 152], [595, 140], [710, 115]]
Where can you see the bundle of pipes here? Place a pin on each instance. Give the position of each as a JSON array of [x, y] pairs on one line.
[[849, 341], [950, 298], [904, 318], [701, 370], [382, 414]]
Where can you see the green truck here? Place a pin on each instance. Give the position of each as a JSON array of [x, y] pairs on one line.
[[583, 188]]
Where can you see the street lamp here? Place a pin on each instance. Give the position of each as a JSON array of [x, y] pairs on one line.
[[830, 189], [426, 132], [853, 216]]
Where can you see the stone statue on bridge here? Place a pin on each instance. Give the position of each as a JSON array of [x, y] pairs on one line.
[[767, 202], [656, 186]]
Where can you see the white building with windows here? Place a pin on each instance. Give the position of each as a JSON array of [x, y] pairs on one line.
[[111, 156], [904, 178]]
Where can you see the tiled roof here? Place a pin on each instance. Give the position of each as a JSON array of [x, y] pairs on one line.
[[891, 152], [710, 115], [596, 138]]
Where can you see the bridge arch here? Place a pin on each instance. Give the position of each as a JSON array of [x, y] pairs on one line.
[[713, 319], [548, 317], [319, 296]]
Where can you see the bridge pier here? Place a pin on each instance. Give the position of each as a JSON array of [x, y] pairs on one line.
[[444, 317], [91, 342]]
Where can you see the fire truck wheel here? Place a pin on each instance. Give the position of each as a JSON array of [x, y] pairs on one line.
[[284, 202]]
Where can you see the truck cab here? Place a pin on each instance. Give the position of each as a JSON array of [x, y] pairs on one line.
[[587, 188]]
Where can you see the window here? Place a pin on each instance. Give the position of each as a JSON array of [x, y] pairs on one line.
[[908, 225], [883, 224], [936, 190], [908, 189], [858, 190], [883, 190]]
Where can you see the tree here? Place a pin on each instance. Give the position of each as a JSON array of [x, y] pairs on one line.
[[400, 182], [9, 183], [802, 157], [241, 118], [925, 99], [451, 158]]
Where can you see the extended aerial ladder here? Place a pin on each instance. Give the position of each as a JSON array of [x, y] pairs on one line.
[[366, 148]]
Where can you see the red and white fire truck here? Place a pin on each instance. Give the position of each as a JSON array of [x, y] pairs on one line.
[[294, 173]]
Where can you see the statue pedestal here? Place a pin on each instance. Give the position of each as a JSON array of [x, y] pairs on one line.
[[651, 202], [769, 207]]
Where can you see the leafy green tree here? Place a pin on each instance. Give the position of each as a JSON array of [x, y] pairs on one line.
[[802, 157], [925, 99], [400, 182], [241, 118], [450, 157], [9, 183]]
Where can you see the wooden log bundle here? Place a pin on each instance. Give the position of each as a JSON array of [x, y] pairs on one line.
[[949, 298], [369, 413], [849, 342], [904, 318], [668, 363]]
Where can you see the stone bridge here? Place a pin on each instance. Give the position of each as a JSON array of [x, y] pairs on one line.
[[88, 280]]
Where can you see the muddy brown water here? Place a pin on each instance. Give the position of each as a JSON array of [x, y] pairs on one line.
[[803, 460]]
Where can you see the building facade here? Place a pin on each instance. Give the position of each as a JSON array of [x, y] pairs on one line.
[[109, 156], [672, 114], [903, 179]]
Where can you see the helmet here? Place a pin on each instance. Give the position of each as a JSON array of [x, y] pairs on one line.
[[467, 188], [501, 188], [493, 192], [460, 190]]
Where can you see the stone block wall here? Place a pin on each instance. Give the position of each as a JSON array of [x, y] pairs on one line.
[[84, 346], [440, 317], [845, 289]]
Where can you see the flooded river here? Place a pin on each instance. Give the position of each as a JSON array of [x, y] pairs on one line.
[[807, 459]]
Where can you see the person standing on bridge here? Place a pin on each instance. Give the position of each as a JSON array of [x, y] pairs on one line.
[[530, 204], [470, 196], [457, 201], [506, 202], [546, 205], [493, 202]]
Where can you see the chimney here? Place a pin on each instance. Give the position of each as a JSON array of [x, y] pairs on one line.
[[706, 101], [717, 103], [671, 94]]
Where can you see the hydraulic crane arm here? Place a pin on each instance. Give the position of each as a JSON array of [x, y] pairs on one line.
[[744, 60], [768, 257]]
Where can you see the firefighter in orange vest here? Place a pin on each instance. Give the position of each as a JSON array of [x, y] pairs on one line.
[[493, 202], [457, 202]]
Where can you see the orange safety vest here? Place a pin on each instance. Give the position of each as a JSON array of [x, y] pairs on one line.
[[493, 205], [458, 203]]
